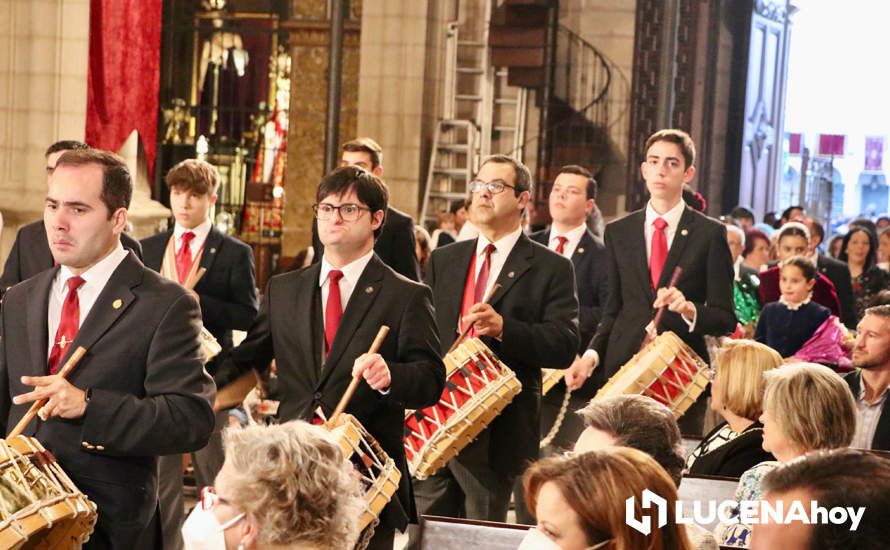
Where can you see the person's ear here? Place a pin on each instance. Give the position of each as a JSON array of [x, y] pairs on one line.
[[378, 171], [119, 220], [377, 219], [249, 533], [214, 198], [689, 174]]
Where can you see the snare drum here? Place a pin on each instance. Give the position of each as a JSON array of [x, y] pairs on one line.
[[477, 388], [40, 507], [666, 370], [379, 473], [550, 378]]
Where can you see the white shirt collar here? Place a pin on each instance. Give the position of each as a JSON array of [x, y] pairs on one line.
[[201, 231], [572, 235], [351, 271], [672, 216], [503, 245], [96, 276]]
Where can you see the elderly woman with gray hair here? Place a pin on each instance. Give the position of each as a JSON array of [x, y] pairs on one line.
[[281, 487]]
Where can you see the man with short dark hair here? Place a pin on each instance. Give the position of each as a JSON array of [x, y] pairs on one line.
[[744, 216], [530, 322], [141, 389], [30, 252], [228, 297], [571, 200], [318, 323], [395, 244], [794, 213], [856, 481], [645, 248], [869, 383], [835, 271]]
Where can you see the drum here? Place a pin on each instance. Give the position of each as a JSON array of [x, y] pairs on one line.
[[550, 378], [40, 507], [477, 388], [379, 473], [666, 370]]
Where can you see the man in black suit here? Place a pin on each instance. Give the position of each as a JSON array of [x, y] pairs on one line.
[[530, 323], [571, 200], [228, 297], [141, 389], [836, 271], [30, 252], [395, 245], [644, 248], [318, 352], [869, 383]]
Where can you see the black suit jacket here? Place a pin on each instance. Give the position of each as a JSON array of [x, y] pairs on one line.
[[838, 273], [700, 248], [881, 440], [395, 245], [735, 457], [149, 392], [592, 286], [289, 328], [30, 254], [227, 290], [540, 310]]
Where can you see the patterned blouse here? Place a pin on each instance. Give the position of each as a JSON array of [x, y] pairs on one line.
[[738, 535]]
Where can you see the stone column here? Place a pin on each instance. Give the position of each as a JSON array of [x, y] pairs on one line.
[[309, 42]]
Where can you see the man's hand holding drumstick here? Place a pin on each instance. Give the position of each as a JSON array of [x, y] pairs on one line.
[[64, 400], [373, 369]]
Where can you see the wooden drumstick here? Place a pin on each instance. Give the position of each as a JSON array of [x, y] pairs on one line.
[[467, 329], [381, 335], [193, 282], [660, 313], [37, 405]]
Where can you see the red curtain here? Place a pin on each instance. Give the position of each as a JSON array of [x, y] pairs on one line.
[[124, 74]]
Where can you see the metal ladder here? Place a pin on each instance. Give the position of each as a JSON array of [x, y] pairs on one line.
[[474, 99]]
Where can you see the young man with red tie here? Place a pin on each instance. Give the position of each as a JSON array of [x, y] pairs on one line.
[[531, 322], [141, 389], [644, 248], [318, 323], [228, 297]]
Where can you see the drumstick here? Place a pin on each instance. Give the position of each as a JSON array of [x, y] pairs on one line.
[[467, 329], [37, 405], [660, 313], [381, 335]]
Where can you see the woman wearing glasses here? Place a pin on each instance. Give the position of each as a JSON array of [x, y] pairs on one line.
[[282, 486], [579, 502], [737, 395]]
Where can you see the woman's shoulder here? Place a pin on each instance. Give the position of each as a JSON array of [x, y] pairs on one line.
[[749, 482]]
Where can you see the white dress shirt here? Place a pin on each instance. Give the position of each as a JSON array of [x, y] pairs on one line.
[[351, 273], [95, 279], [574, 237], [672, 217], [197, 242], [503, 247]]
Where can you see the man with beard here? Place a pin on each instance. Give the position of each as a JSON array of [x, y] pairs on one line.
[[871, 357]]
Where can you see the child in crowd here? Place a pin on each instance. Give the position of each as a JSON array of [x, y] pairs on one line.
[[787, 324]]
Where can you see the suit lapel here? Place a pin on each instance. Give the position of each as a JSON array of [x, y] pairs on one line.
[[38, 306], [581, 250], [681, 237], [307, 293], [516, 264], [112, 302], [363, 297], [211, 248], [635, 242], [450, 286]]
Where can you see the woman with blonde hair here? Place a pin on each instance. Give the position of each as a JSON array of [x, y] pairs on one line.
[[737, 384], [281, 487], [806, 407], [579, 502]]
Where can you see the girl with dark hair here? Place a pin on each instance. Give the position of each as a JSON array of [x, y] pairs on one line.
[[860, 250]]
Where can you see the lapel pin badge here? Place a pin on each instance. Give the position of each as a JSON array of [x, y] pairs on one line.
[[369, 290], [511, 275], [213, 251], [117, 304], [580, 251], [684, 232]]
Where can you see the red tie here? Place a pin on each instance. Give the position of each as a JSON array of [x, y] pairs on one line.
[[482, 278], [333, 310], [184, 257], [68, 325], [474, 288], [659, 251], [561, 245]]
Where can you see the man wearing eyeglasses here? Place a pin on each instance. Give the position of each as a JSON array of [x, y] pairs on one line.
[[530, 322], [318, 324]]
